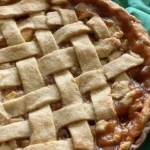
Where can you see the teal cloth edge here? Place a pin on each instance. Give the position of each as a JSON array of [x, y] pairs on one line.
[[140, 9]]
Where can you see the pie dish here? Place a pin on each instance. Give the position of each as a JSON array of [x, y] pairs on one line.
[[74, 74]]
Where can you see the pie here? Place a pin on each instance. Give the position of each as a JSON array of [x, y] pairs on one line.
[[74, 75]]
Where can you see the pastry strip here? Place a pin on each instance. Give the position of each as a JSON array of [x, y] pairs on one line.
[[91, 80], [30, 75], [81, 132], [54, 19], [17, 52], [46, 41], [22, 8], [70, 93], [36, 22], [14, 131], [103, 104], [4, 116], [42, 130], [123, 76], [100, 28], [53, 145], [63, 59], [69, 31], [122, 64], [89, 109], [11, 33], [86, 53], [70, 114], [68, 16], [9, 78]]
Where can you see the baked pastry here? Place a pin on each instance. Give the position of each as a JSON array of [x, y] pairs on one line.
[[74, 74]]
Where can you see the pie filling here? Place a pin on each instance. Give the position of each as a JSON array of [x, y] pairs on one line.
[[74, 74]]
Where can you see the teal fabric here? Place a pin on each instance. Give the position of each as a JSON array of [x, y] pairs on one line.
[[140, 9], [146, 145]]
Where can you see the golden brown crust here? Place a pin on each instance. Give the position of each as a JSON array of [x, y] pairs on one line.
[[146, 110]]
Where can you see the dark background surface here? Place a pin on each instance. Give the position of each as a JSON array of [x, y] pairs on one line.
[[146, 144]]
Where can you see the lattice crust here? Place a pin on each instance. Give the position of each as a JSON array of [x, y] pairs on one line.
[[44, 49]]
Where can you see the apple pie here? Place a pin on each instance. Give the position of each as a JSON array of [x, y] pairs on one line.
[[74, 75]]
